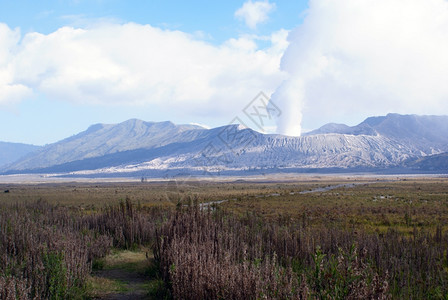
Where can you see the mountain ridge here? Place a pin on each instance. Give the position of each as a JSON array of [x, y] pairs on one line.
[[11, 152], [102, 139], [392, 141]]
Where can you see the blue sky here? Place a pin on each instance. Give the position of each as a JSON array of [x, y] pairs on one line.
[[215, 18], [68, 64]]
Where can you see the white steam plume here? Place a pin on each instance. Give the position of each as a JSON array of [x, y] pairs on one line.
[[357, 58]]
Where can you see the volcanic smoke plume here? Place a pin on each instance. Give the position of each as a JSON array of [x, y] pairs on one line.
[[351, 59]]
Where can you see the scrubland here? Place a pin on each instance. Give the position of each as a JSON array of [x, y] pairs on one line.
[[338, 238]]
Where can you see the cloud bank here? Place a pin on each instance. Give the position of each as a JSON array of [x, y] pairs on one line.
[[132, 64], [10, 90], [254, 13], [352, 58]]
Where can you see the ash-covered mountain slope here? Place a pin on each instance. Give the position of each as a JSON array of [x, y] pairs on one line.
[[281, 152], [136, 146], [104, 139], [10, 152], [429, 133], [432, 163]]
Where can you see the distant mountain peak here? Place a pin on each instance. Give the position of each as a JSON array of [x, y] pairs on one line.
[[95, 127], [10, 152], [102, 139], [139, 146], [386, 125], [375, 121], [329, 128], [236, 126]]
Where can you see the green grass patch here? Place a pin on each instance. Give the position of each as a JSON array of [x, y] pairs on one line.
[[133, 261], [99, 286]]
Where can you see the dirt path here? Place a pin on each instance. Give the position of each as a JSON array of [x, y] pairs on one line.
[[122, 275], [132, 284]]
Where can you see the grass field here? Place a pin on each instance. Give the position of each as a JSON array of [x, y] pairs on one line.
[[316, 237]]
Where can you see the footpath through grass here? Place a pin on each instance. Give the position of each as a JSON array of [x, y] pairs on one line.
[[124, 274]]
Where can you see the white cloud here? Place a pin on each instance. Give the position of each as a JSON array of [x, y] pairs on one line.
[[10, 91], [254, 13], [356, 58], [132, 64]]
